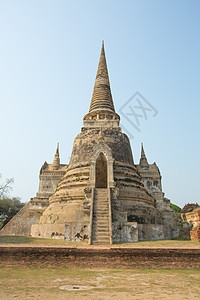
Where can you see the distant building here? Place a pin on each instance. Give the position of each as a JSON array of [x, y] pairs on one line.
[[101, 197]]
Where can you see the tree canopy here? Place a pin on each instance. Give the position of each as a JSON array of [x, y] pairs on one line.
[[9, 206]]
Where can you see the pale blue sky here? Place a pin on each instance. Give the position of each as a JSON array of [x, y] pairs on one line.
[[49, 52]]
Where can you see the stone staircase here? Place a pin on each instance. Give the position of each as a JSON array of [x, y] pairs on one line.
[[100, 219]]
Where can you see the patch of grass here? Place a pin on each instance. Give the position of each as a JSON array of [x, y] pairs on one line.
[[44, 283], [37, 241], [15, 240], [162, 243], [24, 240]]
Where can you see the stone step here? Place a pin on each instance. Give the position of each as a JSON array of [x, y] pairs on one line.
[[100, 242], [100, 232], [103, 218], [101, 207], [101, 200], [100, 216], [100, 237], [100, 220], [99, 229], [101, 194], [101, 213], [105, 240], [101, 226]]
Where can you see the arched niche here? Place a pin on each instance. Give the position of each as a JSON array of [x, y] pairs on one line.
[[101, 151], [101, 171]]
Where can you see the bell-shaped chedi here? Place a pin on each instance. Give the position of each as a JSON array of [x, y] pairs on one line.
[[101, 198]]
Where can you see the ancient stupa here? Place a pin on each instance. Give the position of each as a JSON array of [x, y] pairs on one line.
[[101, 196]]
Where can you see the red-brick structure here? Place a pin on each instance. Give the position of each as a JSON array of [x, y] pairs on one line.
[[189, 207], [193, 219], [158, 258]]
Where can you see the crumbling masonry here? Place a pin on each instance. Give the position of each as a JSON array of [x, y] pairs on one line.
[[101, 197]]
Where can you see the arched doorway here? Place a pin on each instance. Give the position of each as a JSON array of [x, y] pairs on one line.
[[101, 171]]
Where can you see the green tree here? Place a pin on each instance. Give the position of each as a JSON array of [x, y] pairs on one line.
[[176, 208], [9, 206]]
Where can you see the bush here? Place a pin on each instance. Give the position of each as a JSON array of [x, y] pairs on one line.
[[175, 207]]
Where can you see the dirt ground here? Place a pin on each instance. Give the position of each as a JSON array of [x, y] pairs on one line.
[[76, 283], [79, 283]]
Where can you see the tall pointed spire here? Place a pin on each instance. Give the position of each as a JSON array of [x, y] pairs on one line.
[[56, 161], [143, 159], [102, 97], [102, 111]]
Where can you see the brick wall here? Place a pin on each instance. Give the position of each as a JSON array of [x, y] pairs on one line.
[[194, 219], [195, 234], [97, 257]]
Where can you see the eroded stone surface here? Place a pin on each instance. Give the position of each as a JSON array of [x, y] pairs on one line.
[[71, 203]]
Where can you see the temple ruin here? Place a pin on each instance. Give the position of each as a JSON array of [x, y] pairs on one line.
[[102, 196]]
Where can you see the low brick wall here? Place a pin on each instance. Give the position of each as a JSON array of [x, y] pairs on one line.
[[176, 258]]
